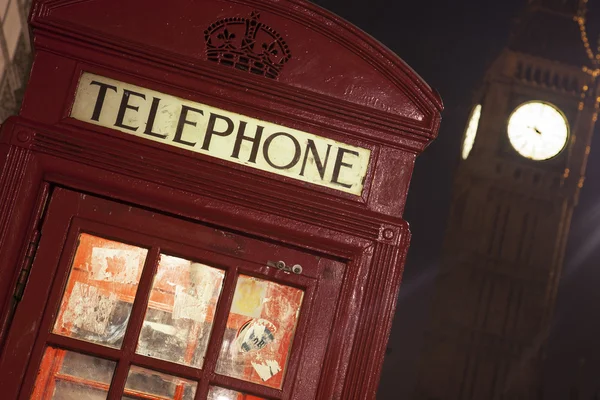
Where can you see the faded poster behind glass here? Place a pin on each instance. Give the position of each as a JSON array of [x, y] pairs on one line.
[[68, 375], [181, 311], [260, 331], [97, 300], [143, 383]]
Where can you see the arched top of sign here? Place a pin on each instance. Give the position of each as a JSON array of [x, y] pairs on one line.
[[248, 45], [332, 59]]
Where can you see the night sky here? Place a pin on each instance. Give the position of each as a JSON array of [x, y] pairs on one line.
[[450, 44]]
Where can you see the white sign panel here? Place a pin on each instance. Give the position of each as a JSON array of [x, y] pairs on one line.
[[218, 133]]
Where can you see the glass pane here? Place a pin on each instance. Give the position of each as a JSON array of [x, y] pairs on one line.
[[144, 383], [102, 284], [66, 375], [181, 310], [218, 393], [260, 330]]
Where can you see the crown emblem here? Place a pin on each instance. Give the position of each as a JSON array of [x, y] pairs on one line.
[[248, 45]]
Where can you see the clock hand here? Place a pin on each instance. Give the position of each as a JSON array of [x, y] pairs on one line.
[[533, 127]]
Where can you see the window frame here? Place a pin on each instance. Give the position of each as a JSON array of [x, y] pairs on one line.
[[60, 234]]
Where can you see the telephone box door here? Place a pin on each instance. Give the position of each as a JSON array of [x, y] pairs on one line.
[[148, 306]]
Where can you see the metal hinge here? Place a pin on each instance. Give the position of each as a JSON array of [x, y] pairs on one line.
[[280, 265], [29, 257]]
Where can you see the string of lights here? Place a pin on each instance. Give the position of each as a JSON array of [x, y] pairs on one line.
[[593, 56]]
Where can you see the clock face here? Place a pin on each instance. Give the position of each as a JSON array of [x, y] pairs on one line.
[[538, 130], [471, 131]]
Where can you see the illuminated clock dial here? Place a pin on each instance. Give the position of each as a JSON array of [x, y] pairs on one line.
[[471, 131], [538, 130]]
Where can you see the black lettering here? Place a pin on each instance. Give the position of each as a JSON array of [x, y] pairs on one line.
[[297, 150], [254, 140], [183, 121], [151, 118], [310, 145], [339, 163], [210, 129], [126, 106], [100, 99]]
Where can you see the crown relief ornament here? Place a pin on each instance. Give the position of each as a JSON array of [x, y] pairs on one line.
[[248, 45]]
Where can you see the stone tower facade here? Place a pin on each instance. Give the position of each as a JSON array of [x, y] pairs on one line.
[[510, 215]]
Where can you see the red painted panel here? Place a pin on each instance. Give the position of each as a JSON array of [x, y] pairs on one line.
[[327, 55]]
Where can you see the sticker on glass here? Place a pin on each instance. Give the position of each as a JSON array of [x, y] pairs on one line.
[[255, 335]]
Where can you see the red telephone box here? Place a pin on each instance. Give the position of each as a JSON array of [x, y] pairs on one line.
[[203, 200]]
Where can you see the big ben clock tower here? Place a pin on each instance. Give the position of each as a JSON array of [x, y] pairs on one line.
[[523, 163]]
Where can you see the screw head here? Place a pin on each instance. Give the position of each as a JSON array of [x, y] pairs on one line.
[[297, 269], [23, 136], [388, 233]]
